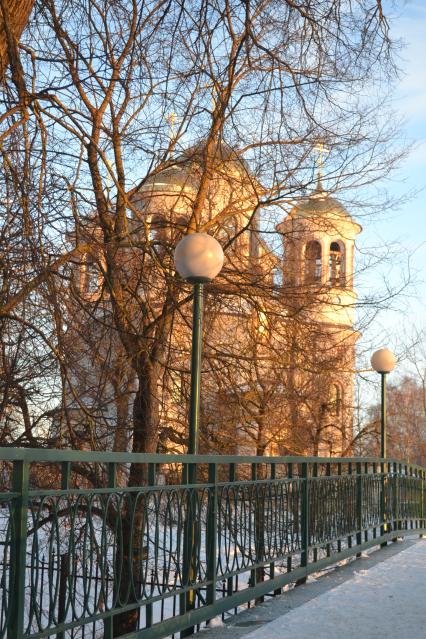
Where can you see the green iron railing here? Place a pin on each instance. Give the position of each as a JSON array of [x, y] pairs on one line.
[[81, 556]]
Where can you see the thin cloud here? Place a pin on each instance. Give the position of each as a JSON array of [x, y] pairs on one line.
[[411, 93]]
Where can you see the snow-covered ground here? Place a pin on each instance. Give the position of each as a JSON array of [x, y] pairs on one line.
[[388, 600]]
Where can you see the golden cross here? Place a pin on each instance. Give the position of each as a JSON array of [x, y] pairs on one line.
[[171, 121], [322, 150]]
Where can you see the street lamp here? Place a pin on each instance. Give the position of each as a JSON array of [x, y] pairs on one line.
[[198, 259], [383, 361]]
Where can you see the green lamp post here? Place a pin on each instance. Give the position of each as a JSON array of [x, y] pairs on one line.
[[198, 259], [383, 361]]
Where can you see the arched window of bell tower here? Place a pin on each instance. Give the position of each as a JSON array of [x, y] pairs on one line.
[[313, 262], [335, 402], [336, 265], [90, 276], [157, 229], [277, 277]]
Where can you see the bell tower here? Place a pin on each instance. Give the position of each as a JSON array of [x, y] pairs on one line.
[[318, 291]]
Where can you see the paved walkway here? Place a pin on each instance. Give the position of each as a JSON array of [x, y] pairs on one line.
[[377, 596]]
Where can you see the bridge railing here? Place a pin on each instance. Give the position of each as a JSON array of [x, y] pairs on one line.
[[84, 553]]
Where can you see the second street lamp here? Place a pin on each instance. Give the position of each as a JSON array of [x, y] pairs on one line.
[[383, 361], [198, 259]]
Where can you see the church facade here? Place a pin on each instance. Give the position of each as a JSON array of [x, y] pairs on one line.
[[279, 336]]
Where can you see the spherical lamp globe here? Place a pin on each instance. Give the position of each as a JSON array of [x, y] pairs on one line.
[[198, 258], [383, 361]]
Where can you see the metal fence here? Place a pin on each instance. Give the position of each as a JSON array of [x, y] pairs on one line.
[[82, 557]]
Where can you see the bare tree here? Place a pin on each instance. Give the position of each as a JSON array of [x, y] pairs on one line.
[[136, 122]]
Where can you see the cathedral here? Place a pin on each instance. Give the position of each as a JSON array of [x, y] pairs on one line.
[[279, 336]]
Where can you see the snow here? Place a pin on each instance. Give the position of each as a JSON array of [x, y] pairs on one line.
[[388, 600], [216, 622]]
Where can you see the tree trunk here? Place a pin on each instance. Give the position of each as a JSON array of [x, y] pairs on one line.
[[259, 515], [130, 558], [18, 12]]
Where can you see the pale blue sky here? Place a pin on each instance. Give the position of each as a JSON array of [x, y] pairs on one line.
[[405, 225]]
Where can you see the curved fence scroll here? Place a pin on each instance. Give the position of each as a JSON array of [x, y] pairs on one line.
[[82, 554]]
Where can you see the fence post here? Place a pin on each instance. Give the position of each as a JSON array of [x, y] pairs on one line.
[[273, 475], [62, 598], [315, 517], [294, 509], [190, 545], [328, 474], [350, 509], [304, 517], [232, 477], [64, 559], [152, 479], [339, 474], [395, 502], [359, 505], [383, 528], [253, 572], [112, 482], [211, 534], [18, 554], [365, 489], [400, 484]]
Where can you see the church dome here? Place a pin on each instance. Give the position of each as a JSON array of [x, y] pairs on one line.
[[185, 169], [175, 175], [317, 209], [319, 204]]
